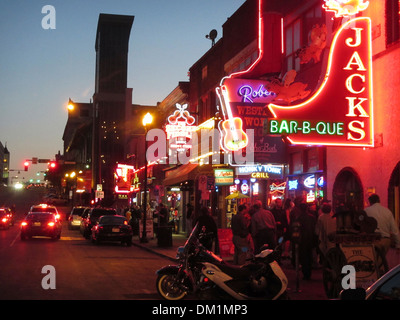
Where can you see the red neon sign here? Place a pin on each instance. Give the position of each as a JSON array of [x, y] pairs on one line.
[[123, 178], [340, 113], [345, 8], [179, 128], [243, 100]]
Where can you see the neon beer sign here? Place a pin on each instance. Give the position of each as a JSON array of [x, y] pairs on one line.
[[340, 113]]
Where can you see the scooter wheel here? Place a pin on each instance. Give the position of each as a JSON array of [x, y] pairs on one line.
[[168, 289]]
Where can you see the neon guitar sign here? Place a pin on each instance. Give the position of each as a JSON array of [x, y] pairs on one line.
[[237, 89]]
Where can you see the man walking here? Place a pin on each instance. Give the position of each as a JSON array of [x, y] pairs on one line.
[[263, 228], [386, 224]]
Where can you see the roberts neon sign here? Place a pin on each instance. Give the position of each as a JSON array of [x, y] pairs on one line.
[[340, 113]]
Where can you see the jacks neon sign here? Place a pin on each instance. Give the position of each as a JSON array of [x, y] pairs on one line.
[[345, 96]]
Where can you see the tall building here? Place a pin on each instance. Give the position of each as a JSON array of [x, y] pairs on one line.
[[110, 98], [4, 164]]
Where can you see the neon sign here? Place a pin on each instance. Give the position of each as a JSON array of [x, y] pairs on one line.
[[123, 176], [277, 188], [234, 90], [179, 128], [345, 96], [345, 8]]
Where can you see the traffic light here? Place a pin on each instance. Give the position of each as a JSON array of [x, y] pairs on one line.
[[52, 165], [26, 165]]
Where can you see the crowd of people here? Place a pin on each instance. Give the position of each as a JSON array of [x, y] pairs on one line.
[[304, 228], [307, 229]]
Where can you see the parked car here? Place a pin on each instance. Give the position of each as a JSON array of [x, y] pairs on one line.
[[112, 228], [8, 214], [91, 219], [75, 217], [386, 287], [41, 224], [4, 220]]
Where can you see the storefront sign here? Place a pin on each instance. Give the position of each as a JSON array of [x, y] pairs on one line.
[[179, 128], [243, 104], [277, 189], [123, 178], [265, 171], [340, 113], [223, 177]]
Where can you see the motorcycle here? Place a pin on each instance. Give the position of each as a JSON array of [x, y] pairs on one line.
[[206, 275]]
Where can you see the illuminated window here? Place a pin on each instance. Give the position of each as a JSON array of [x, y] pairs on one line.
[[204, 72], [297, 35], [392, 21]]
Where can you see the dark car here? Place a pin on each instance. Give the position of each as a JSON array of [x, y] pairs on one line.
[[112, 228], [6, 217], [44, 224], [91, 219], [4, 220]]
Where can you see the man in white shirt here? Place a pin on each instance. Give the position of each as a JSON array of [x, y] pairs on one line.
[[386, 224]]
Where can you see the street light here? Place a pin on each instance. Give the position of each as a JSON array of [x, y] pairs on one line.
[[147, 119], [71, 105]]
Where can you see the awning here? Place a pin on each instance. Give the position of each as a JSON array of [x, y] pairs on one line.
[[181, 174]]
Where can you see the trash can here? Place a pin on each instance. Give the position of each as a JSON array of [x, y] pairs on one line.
[[164, 236]]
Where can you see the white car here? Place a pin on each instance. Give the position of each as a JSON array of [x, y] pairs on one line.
[[75, 217]]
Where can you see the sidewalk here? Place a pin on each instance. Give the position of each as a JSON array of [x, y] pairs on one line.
[[297, 289]]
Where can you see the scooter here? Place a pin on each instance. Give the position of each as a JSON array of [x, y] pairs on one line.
[[206, 275]]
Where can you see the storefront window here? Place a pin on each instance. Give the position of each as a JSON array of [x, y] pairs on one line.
[[392, 21]]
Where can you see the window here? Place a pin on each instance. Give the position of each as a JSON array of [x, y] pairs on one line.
[[297, 35], [204, 73], [390, 290], [392, 21]]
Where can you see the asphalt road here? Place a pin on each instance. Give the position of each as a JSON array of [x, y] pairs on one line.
[[78, 269]]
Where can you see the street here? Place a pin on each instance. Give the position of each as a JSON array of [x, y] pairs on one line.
[[82, 270]]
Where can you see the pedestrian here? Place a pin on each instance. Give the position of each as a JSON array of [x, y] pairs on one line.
[[386, 225], [210, 227], [287, 208], [241, 236], [280, 218], [326, 226], [163, 215], [263, 228], [307, 240], [189, 218]]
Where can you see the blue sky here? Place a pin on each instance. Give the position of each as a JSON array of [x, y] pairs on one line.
[[40, 69]]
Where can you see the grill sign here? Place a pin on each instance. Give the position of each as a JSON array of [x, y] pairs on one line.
[[340, 113]]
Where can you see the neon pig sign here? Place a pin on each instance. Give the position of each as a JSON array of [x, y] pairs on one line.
[[340, 113], [345, 8], [179, 128]]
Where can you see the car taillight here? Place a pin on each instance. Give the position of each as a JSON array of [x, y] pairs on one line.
[[24, 224], [51, 224], [4, 219]]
